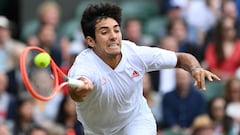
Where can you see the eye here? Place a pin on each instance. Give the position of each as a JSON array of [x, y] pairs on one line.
[[117, 30], [103, 32]]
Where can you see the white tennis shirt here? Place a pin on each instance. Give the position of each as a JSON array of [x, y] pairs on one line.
[[118, 93]]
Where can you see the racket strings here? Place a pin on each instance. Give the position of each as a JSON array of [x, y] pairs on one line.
[[42, 83]]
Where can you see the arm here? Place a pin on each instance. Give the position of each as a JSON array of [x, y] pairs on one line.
[[78, 94], [189, 63]]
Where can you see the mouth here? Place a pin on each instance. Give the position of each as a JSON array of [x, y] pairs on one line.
[[113, 45]]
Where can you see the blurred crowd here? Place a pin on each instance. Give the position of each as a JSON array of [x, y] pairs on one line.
[[208, 29]]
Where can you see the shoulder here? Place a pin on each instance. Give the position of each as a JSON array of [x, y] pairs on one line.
[[169, 95], [127, 42], [84, 55], [196, 93], [18, 43], [126, 45]]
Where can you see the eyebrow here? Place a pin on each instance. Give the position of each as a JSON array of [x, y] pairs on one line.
[[105, 27]]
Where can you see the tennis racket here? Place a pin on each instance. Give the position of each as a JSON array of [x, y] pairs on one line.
[[42, 83]]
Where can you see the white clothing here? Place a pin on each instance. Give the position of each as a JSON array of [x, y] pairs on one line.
[[199, 16], [167, 80], [4, 104], [117, 99]]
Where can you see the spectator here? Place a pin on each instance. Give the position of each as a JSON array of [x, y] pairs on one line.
[[232, 90], [202, 125], [133, 32], [4, 129], [222, 54], [159, 78], [152, 97], [23, 116], [8, 101], [46, 38], [37, 130], [216, 111], [183, 104], [206, 18], [229, 9], [74, 49], [49, 16], [178, 29], [232, 96], [67, 117], [10, 50]]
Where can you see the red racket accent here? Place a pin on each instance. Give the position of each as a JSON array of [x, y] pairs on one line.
[[55, 69]]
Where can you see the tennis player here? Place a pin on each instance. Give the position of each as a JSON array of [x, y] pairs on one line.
[[111, 100]]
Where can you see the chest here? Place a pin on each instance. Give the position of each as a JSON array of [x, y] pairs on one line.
[[120, 85]]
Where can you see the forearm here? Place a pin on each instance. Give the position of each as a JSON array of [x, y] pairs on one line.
[[187, 62]]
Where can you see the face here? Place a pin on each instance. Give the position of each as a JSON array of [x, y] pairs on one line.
[[182, 79], [218, 110], [229, 9], [169, 43], [47, 35], [179, 31], [133, 30], [50, 16], [26, 110], [235, 91], [4, 34], [4, 130], [108, 38], [228, 29]]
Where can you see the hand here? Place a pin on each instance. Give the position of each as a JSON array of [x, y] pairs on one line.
[[199, 75], [78, 94]]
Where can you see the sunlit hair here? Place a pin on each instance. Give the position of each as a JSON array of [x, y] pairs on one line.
[[43, 8], [95, 13]]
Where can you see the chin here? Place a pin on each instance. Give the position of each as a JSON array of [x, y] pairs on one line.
[[115, 54]]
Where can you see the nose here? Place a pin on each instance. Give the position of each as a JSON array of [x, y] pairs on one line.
[[113, 35]]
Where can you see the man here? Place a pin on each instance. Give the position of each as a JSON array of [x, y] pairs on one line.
[[133, 32], [10, 51], [111, 101], [179, 101]]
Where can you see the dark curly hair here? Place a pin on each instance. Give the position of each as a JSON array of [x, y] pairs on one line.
[[95, 13]]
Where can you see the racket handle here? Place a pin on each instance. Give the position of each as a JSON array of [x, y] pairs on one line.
[[75, 82]]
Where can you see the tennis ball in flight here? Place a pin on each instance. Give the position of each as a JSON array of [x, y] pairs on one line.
[[42, 60]]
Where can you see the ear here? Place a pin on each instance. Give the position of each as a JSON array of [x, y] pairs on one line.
[[90, 41]]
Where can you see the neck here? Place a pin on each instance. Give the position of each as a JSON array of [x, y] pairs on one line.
[[112, 61], [183, 93]]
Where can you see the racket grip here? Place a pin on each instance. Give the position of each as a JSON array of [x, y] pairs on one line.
[[75, 82]]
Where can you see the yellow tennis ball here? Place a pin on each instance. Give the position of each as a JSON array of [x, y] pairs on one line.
[[42, 60]]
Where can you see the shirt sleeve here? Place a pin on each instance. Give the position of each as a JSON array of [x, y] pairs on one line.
[[80, 68], [156, 58]]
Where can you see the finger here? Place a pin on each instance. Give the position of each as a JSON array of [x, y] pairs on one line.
[[216, 77], [202, 81], [195, 83], [197, 78], [210, 77]]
